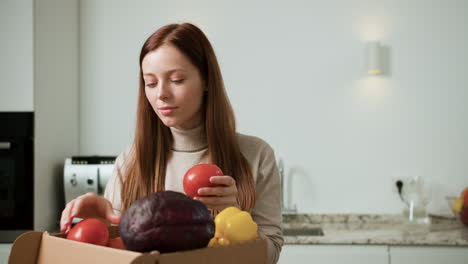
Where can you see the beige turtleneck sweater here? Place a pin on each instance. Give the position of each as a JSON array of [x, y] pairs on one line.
[[190, 148]]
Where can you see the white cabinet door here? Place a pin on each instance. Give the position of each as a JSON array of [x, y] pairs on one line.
[[4, 252], [428, 255], [331, 254]]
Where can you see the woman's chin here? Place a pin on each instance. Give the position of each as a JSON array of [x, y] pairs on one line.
[[179, 125], [173, 125], [169, 122]]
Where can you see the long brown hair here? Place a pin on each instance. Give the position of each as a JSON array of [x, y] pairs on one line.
[[153, 140]]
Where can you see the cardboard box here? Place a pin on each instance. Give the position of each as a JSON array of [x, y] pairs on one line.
[[42, 247]]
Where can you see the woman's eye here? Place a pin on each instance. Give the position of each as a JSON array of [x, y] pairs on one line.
[[178, 81], [151, 85]]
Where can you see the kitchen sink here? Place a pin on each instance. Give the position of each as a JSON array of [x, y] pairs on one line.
[[316, 231]]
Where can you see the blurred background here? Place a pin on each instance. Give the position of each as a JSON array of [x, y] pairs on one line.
[[297, 76]]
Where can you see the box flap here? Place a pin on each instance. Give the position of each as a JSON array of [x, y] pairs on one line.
[[254, 252], [29, 242], [57, 250], [147, 258], [43, 248]]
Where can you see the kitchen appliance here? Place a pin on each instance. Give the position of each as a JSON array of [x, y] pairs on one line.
[[83, 174], [16, 174]]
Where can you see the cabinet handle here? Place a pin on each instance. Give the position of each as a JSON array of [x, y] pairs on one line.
[[5, 145]]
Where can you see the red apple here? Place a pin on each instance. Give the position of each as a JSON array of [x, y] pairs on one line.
[[198, 177]]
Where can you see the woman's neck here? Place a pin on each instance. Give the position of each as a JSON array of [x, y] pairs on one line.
[[189, 140]]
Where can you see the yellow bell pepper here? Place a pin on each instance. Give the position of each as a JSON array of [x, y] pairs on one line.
[[233, 226]]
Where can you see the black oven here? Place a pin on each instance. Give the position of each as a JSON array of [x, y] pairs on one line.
[[16, 174]]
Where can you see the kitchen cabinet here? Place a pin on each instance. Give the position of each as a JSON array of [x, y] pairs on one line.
[[428, 255], [4, 252], [331, 254], [369, 238]]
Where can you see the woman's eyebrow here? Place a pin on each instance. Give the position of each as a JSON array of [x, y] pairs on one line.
[[174, 70], [167, 72], [148, 74]]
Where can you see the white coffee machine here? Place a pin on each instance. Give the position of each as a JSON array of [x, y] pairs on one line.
[[83, 174]]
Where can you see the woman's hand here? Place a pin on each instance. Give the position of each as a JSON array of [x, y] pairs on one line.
[[218, 198], [88, 205]]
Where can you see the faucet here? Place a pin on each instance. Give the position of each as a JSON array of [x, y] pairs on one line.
[[286, 208]]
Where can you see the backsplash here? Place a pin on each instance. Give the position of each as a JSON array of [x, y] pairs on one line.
[[296, 79]]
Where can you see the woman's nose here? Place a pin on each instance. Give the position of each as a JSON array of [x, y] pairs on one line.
[[163, 91]]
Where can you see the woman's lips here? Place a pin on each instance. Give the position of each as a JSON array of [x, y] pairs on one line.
[[167, 110]]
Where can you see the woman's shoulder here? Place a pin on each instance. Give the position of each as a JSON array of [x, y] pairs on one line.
[[252, 145], [124, 156]]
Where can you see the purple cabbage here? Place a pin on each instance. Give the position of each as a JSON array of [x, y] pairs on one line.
[[166, 221]]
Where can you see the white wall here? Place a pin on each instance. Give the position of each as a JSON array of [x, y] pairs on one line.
[[56, 95], [16, 60], [293, 71]]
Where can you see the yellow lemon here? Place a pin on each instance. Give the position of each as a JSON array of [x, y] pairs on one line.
[[220, 219]]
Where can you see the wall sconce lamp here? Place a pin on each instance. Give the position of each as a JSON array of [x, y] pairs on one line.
[[374, 58]]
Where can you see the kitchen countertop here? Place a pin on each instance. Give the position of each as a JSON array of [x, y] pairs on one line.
[[360, 229]]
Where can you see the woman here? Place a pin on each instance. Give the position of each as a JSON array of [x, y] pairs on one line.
[[184, 118]]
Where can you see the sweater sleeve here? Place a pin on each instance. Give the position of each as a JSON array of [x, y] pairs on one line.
[[113, 187], [267, 209]]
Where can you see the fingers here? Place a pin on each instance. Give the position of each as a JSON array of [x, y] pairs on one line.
[[71, 211], [65, 220], [87, 206], [218, 203], [218, 198], [218, 191], [111, 216], [75, 209], [114, 219], [227, 187], [104, 209], [223, 180]]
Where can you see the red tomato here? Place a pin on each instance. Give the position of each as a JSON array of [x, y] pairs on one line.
[[116, 243], [199, 176], [91, 231]]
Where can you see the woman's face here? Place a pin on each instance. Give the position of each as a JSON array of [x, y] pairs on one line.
[[174, 87]]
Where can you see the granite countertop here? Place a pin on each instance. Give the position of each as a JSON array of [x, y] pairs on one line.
[[357, 229]]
